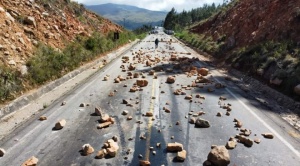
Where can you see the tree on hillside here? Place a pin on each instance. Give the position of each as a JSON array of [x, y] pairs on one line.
[[171, 19]]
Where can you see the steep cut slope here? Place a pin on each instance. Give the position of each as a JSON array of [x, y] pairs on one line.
[[54, 23], [134, 17], [252, 21], [261, 38]]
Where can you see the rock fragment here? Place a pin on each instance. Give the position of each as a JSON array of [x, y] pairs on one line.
[[145, 163], [142, 82], [60, 124], [181, 156], [268, 135], [230, 144], [170, 80], [174, 147], [104, 125], [42, 118], [2, 152], [202, 123], [219, 156], [87, 149], [32, 161], [101, 154]]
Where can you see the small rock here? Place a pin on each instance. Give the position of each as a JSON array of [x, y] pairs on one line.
[[177, 123], [101, 154], [2, 152], [231, 145], [125, 101], [60, 124], [42, 118], [219, 114], [158, 145], [129, 118], [82, 105], [181, 156], [172, 137], [202, 123], [219, 156], [140, 156], [154, 152], [63, 103], [268, 135], [149, 114], [87, 149], [104, 125], [170, 79], [192, 121], [115, 138], [32, 161], [257, 140], [144, 162], [174, 147], [125, 112]]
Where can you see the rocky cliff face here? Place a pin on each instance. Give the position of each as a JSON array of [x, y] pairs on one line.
[[252, 21], [25, 23]]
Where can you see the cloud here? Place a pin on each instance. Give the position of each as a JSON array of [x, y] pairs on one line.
[[157, 5]]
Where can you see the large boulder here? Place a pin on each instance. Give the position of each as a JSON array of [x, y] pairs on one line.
[[219, 156], [170, 80], [297, 89], [60, 124], [32, 161], [202, 123], [142, 83]]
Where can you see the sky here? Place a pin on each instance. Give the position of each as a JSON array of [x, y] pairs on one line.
[[157, 5]]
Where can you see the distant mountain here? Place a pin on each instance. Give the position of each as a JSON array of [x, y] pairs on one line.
[[133, 17]]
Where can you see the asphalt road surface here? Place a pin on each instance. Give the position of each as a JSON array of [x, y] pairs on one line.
[[62, 147]]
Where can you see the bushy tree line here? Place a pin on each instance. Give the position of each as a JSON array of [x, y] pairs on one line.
[[176, 20]]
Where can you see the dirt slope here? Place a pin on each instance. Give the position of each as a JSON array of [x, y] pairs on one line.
[[252, 21], [24, 23]]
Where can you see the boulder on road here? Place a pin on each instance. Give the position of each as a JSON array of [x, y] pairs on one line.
[[297, 89], [142, 83], [174, 147], [2, 152], [268, 135], [60, 124], [87, 149], [219, 156], [32, 161], [181, 156], [104, 125], [244, 140], [202, 123], [203, 71], [170, 80]]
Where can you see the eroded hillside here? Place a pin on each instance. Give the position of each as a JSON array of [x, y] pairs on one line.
[[55, 23], [261, 38]]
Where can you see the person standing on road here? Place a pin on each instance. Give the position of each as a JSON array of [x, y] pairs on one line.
[[156, 43]]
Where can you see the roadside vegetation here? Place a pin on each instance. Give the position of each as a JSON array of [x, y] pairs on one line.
[[48, 64]]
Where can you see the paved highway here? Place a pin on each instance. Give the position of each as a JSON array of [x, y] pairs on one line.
[[62, 147]]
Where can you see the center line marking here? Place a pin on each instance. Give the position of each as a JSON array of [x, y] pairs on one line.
[[150, 119]]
